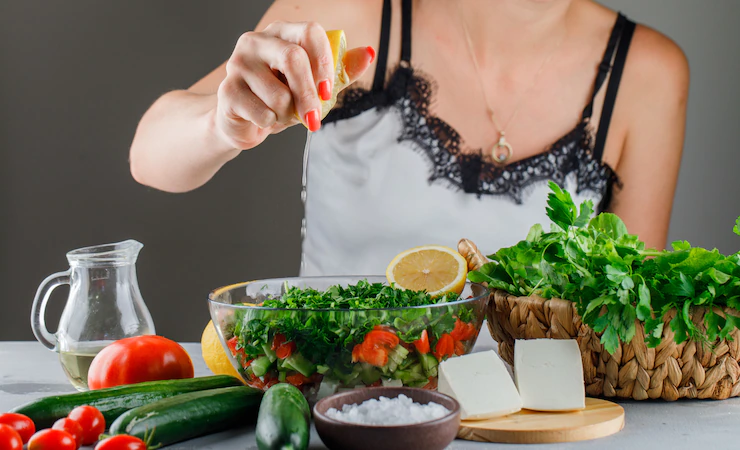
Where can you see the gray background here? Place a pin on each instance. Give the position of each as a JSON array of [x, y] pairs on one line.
[[76, 76]]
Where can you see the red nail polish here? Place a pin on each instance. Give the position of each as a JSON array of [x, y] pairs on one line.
[[371, 53], [312, 120], [324, 90]]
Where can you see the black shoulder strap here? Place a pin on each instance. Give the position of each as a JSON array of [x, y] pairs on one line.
[[606, 62], [382, 56], [406, 31], [612, 88]]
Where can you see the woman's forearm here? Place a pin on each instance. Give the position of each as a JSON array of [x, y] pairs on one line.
[[176, 147]]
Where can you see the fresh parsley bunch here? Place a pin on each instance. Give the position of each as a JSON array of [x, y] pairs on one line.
[[614, 280]]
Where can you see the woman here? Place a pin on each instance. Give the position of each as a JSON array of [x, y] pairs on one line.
[[452, 131]]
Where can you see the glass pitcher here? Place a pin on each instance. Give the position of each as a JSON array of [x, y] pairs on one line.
[[104, 305]]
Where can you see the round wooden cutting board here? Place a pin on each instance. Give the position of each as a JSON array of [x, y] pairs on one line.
[[600, 418]]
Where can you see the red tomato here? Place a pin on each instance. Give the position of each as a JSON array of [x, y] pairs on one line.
[[72, 427], [138, 359], [385, 328], [463, 331], [20, 423], [52, 440], [121, 442], [91, 421], [282, 348], [422, 344], [445, 347], [376, 356], [432, 384], [9, 438]]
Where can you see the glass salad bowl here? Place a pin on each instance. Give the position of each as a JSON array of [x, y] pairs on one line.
[[274, 332]]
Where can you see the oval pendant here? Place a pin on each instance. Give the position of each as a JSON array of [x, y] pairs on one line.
[[501, 151]]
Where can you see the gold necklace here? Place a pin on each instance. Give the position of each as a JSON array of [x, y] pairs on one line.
[[501, 151]]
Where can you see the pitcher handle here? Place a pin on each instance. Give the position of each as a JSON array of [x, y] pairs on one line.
[[38, 311]]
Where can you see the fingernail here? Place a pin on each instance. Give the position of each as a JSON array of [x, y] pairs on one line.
[[325, 90], [371, 53], [312, 120]]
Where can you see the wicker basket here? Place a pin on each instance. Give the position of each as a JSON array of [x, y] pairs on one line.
[[670, 371]]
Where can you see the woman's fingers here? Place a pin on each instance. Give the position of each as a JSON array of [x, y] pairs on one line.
[[312, 37], [357, 61]]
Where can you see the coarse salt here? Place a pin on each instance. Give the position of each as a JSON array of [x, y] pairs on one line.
[[400, 410]]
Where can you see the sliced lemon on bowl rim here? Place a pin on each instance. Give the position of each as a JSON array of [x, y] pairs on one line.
[[436, 269]]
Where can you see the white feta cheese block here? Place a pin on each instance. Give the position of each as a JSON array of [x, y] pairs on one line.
[[549, 374], [481, 384]]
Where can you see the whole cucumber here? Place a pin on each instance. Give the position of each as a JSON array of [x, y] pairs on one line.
[[284, 420], [188, 416], [113, 402]]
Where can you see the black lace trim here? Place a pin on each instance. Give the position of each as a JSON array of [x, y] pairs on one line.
[[412, 93]]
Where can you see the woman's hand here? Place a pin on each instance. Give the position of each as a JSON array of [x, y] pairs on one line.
[[285, 69]]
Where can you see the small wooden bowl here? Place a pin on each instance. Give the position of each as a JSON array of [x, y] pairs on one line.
[[431, 435]]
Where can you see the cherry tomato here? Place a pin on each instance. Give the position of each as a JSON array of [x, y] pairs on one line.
[[9, 438], [91, 421], [138, 359], [422, 344], [52, 440], [20, 423], [282, 348], [445, 347], [121, 442], [72, 427]]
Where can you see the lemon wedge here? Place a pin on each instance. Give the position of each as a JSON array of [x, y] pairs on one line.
[[338, 43], [433, 268]]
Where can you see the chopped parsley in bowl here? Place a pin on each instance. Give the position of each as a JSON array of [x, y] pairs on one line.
[[324, 334]]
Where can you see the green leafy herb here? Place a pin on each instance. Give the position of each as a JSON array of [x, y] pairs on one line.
[[613, 280]]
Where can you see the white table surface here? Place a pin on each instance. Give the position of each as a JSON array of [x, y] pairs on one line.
[[29, 371]]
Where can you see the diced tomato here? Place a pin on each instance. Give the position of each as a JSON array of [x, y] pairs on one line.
[[422, 344], [431, 385], [285, 350], [282, 348], [297, 379], [381, 338], [376, 384], [463, 331], [246, 362], [232, 343], [356, 351], [445, 347], [460, 330], [459, 348], [278, 340], [256, 383], [376, 356]]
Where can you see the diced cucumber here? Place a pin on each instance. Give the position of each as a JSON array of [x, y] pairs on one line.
[[260, 366], [429, 363], [269, 352], [299, 363], [282, 375], [328, 387], [369, 374], [408, 377], [347, 379], [322, 369], [389, 382], [400, 352]]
